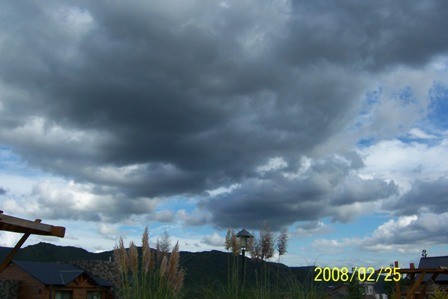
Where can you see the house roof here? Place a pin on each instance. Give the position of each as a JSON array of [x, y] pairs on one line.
[[56, 273], [432, 263]]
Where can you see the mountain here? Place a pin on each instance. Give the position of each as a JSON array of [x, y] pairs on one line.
[[45, 252], [203, 269]]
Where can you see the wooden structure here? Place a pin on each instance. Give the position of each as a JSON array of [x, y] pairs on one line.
[[418, 286], [27, 228]]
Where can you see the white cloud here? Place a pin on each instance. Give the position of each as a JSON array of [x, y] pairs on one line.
[[214, 239], [408, 233], [420, 134], [275, 163], [9, 239], [162, 216], [194, 218], [311, 229], [324, 245], [107, 230], [404, 162]]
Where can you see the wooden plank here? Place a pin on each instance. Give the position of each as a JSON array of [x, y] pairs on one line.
[[425, 287], [427, 270], [18, 225], [13, 252], [397, 285], [411, 293]]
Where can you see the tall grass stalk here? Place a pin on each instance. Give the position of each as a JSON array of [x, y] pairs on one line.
[[141, 278]]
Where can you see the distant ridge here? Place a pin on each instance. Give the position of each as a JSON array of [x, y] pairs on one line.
[[202, 268], [47, 252]]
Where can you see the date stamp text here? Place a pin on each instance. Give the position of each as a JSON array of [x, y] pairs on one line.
[[360, 274]]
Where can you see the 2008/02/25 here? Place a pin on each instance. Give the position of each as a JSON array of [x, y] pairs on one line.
[[361, 274]]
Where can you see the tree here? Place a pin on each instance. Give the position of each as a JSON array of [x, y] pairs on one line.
[[355, 290], [267, 243], [163, 246]]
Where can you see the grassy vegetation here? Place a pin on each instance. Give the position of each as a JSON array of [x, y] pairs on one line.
[[146, 274], [261, 279], [439, 293]]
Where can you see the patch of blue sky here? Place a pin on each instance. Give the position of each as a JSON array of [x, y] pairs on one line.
[[178, 203], [364, 226], [130, 231], [8, 158], [406, 96], [366, 142], [371, 99], [438, 107], [373, 96], [411, 139], [198, 230], [11, 163], [435, 250], [155, 230]]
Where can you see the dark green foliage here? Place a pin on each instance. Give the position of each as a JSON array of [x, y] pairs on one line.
[[45, 252], [355, 290]]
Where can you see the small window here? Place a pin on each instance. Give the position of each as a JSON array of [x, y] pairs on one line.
[[63, 295], [93, 295]]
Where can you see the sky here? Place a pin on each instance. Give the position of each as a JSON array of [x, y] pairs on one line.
[[189, 116]]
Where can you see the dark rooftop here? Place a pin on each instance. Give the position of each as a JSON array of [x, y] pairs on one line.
[[56, 273], [434, 262]]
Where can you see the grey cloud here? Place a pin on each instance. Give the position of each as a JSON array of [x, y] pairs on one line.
[[360, 190], [161, 216], [365, 34], [51, 201], [141, 82], [423, 197], [323, 191], [3, 191], [427, 228], [311, 228], [214, 240], [195, 97]]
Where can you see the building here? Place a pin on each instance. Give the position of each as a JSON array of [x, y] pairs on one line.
[[434, 263], [36, 280]]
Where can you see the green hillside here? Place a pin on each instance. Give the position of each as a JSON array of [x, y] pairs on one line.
[[203, 269]]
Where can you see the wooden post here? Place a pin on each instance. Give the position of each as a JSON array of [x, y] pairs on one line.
[[397, 285], [13, 251], [411, 293], [425, 286]]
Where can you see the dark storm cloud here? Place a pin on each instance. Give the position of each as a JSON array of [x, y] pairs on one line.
[[371, 35], [324, 190], [424, 197], [167, 98], [2, 191]]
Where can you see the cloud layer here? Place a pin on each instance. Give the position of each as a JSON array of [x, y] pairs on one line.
[[271, 110]]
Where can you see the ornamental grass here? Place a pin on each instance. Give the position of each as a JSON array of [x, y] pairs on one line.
[[141, 276]]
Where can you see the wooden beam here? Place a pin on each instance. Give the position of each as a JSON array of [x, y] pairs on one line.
[[425, 286], [411, 293], [397, 285], [18, 225]]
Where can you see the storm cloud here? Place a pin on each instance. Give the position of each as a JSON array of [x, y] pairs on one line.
[[140, 101]]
